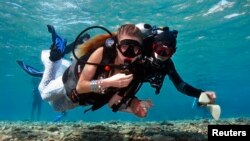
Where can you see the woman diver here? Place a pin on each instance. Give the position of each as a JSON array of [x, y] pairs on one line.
[[96, 83]]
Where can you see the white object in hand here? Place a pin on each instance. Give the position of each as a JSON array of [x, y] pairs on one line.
[[214, 109]]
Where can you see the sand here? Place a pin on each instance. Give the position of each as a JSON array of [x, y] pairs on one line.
[[183, 130]]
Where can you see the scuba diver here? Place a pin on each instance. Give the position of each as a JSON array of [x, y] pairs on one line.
[[97, 78], [159, 47]]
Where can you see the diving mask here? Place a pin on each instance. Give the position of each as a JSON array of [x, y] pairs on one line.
[[163, 49], [129, 48]]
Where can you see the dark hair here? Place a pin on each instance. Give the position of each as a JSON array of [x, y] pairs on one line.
[[167, 37]]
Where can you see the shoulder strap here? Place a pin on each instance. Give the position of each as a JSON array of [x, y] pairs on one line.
[[108, 57]]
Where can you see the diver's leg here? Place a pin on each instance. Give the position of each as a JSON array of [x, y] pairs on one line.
[[65, 64], [49, 86], [49, 75]]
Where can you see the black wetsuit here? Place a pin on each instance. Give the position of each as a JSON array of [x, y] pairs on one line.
[[155, 76], [156, 71]]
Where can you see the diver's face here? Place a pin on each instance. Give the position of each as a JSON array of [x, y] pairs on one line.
[[162, 51], [129, 48]]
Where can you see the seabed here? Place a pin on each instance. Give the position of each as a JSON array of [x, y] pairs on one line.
[[178, 130]]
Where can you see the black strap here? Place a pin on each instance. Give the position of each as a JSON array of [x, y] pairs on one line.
[[74, 96], [128, 93]]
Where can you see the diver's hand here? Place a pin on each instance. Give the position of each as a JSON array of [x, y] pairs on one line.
[[119, 80], [211, 96], [140, 107]]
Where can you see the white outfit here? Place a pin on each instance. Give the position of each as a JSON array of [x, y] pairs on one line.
[[51, 86]]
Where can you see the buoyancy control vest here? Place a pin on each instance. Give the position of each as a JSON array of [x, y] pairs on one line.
[[71, 77]]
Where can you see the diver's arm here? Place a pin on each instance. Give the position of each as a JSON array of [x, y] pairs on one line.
[[88, 72], [180, 85], [133, 105], [119, 80]]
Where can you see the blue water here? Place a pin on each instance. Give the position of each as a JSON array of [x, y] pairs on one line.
[[213, 52]]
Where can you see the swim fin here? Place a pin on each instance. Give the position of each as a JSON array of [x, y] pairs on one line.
[[30, 70], [59, 117], [51, 30]]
